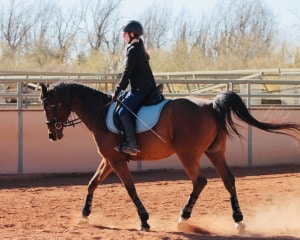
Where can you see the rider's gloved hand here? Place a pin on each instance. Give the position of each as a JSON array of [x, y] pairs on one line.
[[116, 94]]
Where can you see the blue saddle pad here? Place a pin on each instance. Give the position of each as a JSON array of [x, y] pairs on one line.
[[147, 115]]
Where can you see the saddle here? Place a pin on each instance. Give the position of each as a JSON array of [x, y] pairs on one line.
[[148, 113], [155, 97]]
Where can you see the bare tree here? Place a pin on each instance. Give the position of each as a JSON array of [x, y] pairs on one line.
[[190, 37], [179, 44], [99, 22], [16, 21], [156, 20], [181, 26], [65, 27], [243, 29], [297, 57], [238, 34], [102, 33], [38, 43]]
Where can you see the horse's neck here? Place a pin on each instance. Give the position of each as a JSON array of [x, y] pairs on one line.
[[92, 115]]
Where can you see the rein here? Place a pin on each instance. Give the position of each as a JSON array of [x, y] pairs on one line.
[[78, 120], [72, 123]]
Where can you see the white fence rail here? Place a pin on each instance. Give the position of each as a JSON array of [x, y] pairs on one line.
[[19, 90]]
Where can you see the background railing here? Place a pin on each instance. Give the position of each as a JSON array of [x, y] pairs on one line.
[[259, 88]]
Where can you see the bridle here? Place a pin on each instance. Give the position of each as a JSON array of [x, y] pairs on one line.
[[59, 125]]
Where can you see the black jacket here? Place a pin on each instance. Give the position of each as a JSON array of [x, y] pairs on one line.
[[137, 71]]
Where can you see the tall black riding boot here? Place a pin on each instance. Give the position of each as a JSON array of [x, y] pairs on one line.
[[130, 147]]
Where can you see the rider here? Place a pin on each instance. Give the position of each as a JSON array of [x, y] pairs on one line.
[[138, 74]]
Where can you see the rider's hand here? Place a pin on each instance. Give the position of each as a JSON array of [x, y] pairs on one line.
[[114, 97], [116, 94]]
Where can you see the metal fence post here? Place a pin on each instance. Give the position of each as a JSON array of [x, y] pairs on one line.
[[249, 127], [20, 127]]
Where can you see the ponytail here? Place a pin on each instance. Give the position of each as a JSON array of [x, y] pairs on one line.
[[143, 47]]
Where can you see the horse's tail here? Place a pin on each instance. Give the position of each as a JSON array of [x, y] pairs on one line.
[[227, 102]]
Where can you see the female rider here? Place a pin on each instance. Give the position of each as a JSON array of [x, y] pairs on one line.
[[138, 74]]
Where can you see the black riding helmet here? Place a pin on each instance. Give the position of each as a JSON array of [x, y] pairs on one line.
[[134, 27]]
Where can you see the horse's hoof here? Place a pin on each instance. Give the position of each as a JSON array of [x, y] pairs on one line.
[[83, 220], [181, 220], [145, 229], [240, 228]]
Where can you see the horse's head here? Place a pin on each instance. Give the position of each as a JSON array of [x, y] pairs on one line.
[[56, 113]]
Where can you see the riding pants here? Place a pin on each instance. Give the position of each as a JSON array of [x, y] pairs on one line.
[[131, 102]]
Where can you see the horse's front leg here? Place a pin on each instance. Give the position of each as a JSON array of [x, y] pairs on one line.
[[122, 170], [102, 172]]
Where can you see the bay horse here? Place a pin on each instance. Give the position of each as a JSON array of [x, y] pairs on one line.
[[189, 128]]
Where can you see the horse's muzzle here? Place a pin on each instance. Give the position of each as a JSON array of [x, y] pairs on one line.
[[54, 136]]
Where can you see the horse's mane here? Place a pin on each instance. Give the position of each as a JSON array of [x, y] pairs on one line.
[[91, 102]]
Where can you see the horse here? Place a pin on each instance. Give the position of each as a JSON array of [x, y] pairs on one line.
[[188, 127]]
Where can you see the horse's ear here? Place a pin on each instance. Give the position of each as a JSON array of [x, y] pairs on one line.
[[44, 90]]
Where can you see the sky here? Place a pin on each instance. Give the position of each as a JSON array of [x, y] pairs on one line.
[[286, 12], [284, 9]]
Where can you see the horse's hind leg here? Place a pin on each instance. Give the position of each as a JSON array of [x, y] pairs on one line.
[[102, 172], [192, 169], [219, 162]]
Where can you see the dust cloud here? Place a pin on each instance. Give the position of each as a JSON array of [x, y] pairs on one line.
[[279, 219]]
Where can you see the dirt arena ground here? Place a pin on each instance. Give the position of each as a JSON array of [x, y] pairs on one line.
[[48, 206]]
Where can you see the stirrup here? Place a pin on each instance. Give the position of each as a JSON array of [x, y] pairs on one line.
[[130, 150], [125, 149]]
